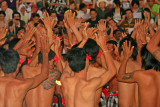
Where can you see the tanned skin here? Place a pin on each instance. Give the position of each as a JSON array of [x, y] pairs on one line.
[[13, 91], [147, 80]]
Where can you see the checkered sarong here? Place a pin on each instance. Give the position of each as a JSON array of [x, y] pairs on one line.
[[112, 100]]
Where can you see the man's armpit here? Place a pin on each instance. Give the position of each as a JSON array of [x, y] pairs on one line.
[[50, 82], [156, 54]]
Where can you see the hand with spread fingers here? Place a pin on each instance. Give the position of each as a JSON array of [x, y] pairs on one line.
[[127, 50], [3, 32]]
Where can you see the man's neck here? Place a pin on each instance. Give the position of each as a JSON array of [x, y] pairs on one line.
[[10, 75], [130, 19], [82, 74], [103, 8]]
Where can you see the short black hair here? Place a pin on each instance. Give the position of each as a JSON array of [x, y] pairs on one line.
[[92, 49], [21, 28], [2, 12], [135, 2], [51, 55], [112, 42], [148, 60], [71, 2], [35, 15], [129, 10], [82, 5], [93, 10], [76, 58], [15, 13], [52, 11], [13, 42], [133, 43], [9, 60], [117, 2], [146, 9]]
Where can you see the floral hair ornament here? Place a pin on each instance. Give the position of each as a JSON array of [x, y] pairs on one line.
[[56, 59], [99, 54], [88, 57], [21, 61]]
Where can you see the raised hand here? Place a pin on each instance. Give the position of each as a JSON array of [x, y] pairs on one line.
[[57, 43], [101, 40], [102, 25], [127, 50], [3, 32], [84, 32], [45, 47], [71, 18]]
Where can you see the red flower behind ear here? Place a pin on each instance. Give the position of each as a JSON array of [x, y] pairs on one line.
[[56, 59], [99, 54], [21, 61], [88, 57], [29, 61]]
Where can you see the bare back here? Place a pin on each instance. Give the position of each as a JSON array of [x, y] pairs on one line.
[[92, 73], [128, 92], [41, 96], [149, 89], [12, 92]]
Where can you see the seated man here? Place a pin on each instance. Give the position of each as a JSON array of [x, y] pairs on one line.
[[82, 92], [13, 90], [147, 78]]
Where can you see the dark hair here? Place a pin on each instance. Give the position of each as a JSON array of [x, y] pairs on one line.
[[117, 2], [82, 5], [93, 10], [92, 49], [112, 42], [13, 42], [115, 31], [129, 10], [2, 12], [71, 2], [21, 28], [35, 15], [77, 59], [146, 9], [51, 55], [52, 11], [9, 60], [148, 60], [135, 2], [133, 43], [15, 13]]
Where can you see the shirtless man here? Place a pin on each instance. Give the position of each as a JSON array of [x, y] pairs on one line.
[[148, 80], [128, 93], [42, 96], [13, 91], [82, 92]]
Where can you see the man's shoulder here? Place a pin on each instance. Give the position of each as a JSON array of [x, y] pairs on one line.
[[9, 10]]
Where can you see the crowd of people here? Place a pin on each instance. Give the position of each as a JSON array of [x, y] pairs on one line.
[[79, 53]]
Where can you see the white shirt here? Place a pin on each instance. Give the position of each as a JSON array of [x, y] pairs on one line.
[[82, 15], [9, 13]]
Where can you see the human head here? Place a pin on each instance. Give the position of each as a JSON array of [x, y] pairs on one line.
[[135, 4], [51, 55], [22, 8], [34, 8], [93, 13], [13, 42], [102, 3], [76, 58], [9, 60], [116, 3], [112, 23], [146, 12], [53, 14], [4, 5], [148, 60], [129, 14], [21, 30], [150, 2], [16, 15], [118, 35], [72, 5], [133, 43], [110, 45], [35, 17], [2, 15], [92, 49], [83, 7]]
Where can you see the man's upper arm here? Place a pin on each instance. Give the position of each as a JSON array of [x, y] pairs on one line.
[[130, 77]]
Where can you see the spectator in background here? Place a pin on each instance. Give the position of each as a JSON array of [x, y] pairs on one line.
[[34, 9], [90, 3], [125, 4], [53, 14], [102, 9], [137, 12], [110, 4], [20, 32], [2, 21], [84, 12], [71, 7], [93, 20], [153, 7], [117, 35], [23, 13], [8, 11], [35, 19], [1, 2], [15, 23], [128, 24], [77, 3], [118, 12]]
